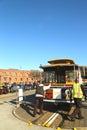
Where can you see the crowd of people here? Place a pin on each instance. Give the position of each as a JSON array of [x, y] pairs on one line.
[[13, 87]]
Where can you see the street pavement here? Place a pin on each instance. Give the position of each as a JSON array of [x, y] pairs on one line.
[[9, 122], [10, 119]]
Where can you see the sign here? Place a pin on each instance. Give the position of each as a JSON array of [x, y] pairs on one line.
[[57, 93], [20, 94]]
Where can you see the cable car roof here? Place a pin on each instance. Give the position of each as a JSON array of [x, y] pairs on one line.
[[61, 61]]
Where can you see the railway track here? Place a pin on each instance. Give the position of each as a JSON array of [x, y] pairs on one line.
[[49, 119], [59, 118], [52, 118]]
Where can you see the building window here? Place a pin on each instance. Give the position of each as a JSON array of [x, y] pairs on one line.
[[27, 79], [5, 79], [9, 79], [9, 74], [5, 74], [26, 74], [15, 79], [20, 79], [15, 73]]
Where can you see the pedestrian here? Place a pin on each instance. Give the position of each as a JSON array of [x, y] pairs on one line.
[[39, 95], [77, 94]]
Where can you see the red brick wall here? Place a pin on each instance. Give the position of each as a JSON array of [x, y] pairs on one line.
[[13, 75]]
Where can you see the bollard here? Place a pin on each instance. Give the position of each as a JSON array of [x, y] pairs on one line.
[[58, 128], [30, 124]]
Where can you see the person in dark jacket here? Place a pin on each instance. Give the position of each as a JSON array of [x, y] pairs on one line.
[[39, 95]]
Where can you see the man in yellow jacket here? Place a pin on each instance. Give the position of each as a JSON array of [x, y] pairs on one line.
[[77, 96]]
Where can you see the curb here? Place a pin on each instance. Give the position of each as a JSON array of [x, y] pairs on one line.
[[16, 115]]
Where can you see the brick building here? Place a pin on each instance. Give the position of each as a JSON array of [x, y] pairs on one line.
[[14, 75]]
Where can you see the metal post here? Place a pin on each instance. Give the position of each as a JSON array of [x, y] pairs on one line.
[[74, 72]]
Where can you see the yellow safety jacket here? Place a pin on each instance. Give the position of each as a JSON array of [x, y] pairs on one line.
[[77, 92], [1, 86]]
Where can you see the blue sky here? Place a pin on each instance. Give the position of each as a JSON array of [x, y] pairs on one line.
[[35, 31]]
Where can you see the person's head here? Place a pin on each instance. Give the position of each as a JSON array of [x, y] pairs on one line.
[[76, 80]]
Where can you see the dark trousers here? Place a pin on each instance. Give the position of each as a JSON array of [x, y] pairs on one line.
[[77, 110], [38, 102]]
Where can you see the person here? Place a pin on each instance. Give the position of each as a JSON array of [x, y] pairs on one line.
[[66, 78], [77, 94], [39, 95]]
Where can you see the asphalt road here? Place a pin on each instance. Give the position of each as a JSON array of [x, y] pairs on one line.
[[8, 121]]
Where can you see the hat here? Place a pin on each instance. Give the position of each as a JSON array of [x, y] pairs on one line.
[[41, 85]]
